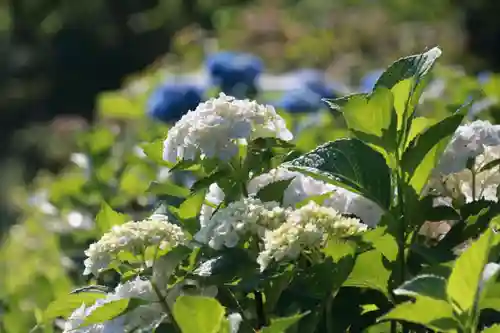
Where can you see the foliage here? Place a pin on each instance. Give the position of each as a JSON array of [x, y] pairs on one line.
[[320, 234]]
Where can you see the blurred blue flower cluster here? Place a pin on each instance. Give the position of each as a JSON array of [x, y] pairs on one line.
[[312, 86], [171, 100], [235, 73], [238, 74]]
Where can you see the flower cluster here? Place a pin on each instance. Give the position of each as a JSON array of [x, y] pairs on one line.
[[483, 186], [146, 316], [469, 141], [216, 127], [133, 237], [246, 216], [305, 228], [479, 143], [301, 188]]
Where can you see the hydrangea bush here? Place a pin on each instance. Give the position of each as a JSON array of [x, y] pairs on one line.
[[227, 224]]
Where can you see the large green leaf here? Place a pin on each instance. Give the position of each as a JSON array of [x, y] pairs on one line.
[[195, 314], [407, 78], [107, 311], [465, 278], [64, 306], [280, 325], [349, 163], [431, 286], [369, 272], [370, 114], [434, 314], [416, 66], [107, 218], [425, 150]]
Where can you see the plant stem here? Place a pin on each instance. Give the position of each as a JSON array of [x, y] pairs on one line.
[[328, 314], [473, 184], [165, 307], [259, 309]]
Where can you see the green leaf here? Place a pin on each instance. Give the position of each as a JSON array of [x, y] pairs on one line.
[[417, 66], [370, 114], [191, 207], [431, 286], [463, 283], [195, 314], [154, 151], [116, 105], [168, 188], [369, 272], [382, 241], [64, 306], [165, 266], [107, 218], [280, 325], [407, 78], [274, 191], [319, 199], [337, 104], [349, 163], [434, 314], [107, 311], [425, 150], [492, 329]]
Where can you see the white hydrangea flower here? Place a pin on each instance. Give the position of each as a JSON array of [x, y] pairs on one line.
[[301, 188], [486, 182], [134, 237], [214, 129], [246, 216], [143, 316], [305, 228], [469, 141]]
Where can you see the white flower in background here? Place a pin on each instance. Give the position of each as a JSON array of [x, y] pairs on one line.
[[485, 183], [216, 127], [300, 189], [134, 237], [81, 160], [246, 216], [469, 141], [41, 201], [144, 316], [305, 228], [78, 220]]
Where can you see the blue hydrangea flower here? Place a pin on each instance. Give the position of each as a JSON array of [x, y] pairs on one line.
[[315, 80], [170, 101], [368, 81], [301, 100], [235, 73], [483, 76]]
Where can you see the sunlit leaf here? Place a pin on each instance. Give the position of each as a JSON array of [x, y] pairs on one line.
[[195, 314], [349, 163]]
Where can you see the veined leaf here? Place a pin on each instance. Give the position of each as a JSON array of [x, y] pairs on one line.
[[465, 278], [369, 272], [107, 218], [349, 163], [434, 314], [425, 150], [64, 306], [195, 314], [431, 286]]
